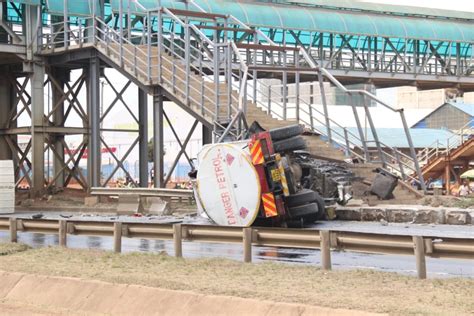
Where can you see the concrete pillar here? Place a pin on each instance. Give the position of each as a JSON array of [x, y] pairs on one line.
[[93, 111], [143, 134], [58, 117], [158, 148], [6, 103], [37, 128]]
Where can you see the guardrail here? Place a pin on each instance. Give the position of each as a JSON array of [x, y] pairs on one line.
[[158, 192], [324, 240]]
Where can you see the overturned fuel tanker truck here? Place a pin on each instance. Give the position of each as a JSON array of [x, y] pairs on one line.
[[267, 180]]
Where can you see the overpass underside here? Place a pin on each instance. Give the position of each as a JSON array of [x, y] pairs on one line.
[[38, 96]]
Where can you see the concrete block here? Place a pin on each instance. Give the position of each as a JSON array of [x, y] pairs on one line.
[[400, 215], [429, 216], [348, 213], [154, 205], [471, 216], [457, 218], [373, 214], [128, 205], [91, 200]]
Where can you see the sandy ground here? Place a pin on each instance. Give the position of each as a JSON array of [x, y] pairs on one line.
[[360, 290]]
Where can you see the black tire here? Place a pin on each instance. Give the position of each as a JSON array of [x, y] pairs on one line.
[[308, 211], [289, 144], [302, 197], [322, 207], [286, 132]]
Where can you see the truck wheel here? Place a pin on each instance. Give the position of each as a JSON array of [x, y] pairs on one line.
[[289, 144], [302, 197], [322, 207], [308, 211], [286, 132]]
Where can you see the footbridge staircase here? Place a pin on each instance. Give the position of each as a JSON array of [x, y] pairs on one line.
[[210, 65]]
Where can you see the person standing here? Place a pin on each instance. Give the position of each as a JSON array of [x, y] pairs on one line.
[[464, 190]]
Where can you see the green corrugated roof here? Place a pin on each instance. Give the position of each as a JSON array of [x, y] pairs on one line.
[[319, 19], [314, 19], [382, 7]]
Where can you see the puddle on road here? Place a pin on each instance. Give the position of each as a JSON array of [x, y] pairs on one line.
[[437, 268]]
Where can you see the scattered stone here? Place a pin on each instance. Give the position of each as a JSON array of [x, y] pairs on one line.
[[27, 202], [383, 222], [355, 202], [349, 214], [457, 218], [400, 215], [429, 216], [49, 198]]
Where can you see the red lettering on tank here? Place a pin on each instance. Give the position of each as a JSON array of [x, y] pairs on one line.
[[225, 195]]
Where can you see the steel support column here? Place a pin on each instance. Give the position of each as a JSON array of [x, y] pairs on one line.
[[37, 128], [143, 137], [58, 121], [206, 135], [6, 104], [93, 110], [158, 148]]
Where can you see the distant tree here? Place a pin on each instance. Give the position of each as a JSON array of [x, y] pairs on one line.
[[150, 151]]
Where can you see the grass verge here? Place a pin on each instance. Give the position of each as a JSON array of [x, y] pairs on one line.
[[359, 289]]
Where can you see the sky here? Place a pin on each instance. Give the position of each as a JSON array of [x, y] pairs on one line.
[[457, 5]]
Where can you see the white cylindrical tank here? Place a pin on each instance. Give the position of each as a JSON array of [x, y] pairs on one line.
[[227, 185]]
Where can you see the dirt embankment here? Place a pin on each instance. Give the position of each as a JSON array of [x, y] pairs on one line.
[[355, 290]]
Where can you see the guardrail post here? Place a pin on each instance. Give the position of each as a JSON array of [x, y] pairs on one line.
[[13, 230], [178, 240], [419, 247], [118, 237], [63, 233], [325, 250], [247, 243]]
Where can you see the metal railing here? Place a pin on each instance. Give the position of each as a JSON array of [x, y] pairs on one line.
[[432, 246], [203, 72], [437, 149]]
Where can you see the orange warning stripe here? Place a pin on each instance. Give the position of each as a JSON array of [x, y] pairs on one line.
[[256, 153], [269, 205]]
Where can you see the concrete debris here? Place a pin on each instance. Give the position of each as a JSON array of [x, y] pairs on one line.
[[457, 218], [413, 215]]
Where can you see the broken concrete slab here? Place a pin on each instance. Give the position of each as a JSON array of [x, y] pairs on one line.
[[429, 216], [401, 215], [154, 206], [348, 213], [457, 217], [373, 214]]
